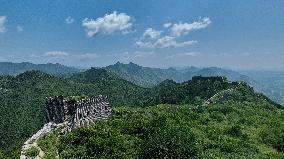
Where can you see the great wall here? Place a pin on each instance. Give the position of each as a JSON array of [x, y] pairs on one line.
[[68, 114], [76, 113]]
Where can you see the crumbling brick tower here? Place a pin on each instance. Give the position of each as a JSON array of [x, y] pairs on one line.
[[76, 113]]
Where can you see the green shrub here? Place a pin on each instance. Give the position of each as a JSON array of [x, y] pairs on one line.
[[49, 143], [274, 136], [32, 152], [171, 142]]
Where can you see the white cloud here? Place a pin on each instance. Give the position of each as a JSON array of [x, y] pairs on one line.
[[151, 33], [56, 54], [166, 25], [69, 20], [108, 24], [139, 54], [151, 38], [87, 56], [142, 44], [2, 24], [164, 42], [19, 29], [185, 28], [183, 55]]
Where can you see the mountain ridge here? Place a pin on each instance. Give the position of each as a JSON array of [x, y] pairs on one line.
[[149, 77], [10, 68], [23, 96], [243, 124]]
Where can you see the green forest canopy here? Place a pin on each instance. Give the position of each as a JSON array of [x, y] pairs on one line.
[[23, 97]]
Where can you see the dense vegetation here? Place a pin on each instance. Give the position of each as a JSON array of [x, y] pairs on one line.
[[190, 92], [22, 102], [32, 152], [246, 125], [268, 82], [120, 91]]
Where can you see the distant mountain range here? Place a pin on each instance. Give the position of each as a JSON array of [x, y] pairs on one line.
[[268, 82], [148, 77], [9, 68], [142, 76]]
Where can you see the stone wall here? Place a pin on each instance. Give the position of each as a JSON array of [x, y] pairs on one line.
[[211, 78], [54, 110], [76, 113]]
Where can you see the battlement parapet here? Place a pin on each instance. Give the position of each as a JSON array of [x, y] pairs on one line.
[[76, 113]]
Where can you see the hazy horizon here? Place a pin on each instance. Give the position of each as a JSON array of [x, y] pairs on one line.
[[165, 67]]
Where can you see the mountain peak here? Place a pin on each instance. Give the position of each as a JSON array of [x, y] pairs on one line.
[[131, 63], [118, 63]]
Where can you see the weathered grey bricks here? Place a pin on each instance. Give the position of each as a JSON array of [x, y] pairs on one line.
[[76, 113]]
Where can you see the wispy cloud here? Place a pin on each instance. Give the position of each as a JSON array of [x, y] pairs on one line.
[[184, 28], [151, 33], [56, 54], [2, 24], [164, 42], [108, 24], [166, 25], [87, 56], [182, 55], [141, 54], [19, 29], [69, 20]]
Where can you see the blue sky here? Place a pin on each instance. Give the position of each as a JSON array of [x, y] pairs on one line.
[[236, 34]]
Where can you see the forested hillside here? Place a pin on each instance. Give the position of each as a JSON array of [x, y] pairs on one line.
[[268, 82], [244, 125], [272, 83], [144, 76], [150, 77], [23, 100]]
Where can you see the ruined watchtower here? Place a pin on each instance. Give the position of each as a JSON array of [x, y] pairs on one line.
[[76, 113]]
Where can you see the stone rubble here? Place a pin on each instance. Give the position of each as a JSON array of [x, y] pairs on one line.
[[47, 128]]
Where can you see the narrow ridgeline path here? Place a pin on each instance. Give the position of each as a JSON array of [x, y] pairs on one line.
[[32, 142], [221, 96]]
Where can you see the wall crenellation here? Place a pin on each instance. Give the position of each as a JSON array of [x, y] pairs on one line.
[[76, 113]]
